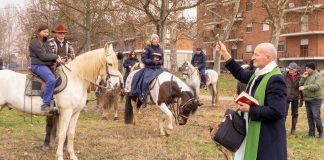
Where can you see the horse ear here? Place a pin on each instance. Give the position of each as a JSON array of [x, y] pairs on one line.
[[109, 48]]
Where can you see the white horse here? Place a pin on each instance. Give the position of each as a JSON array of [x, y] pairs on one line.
[[192, 78], [166, 89], [82, 70]]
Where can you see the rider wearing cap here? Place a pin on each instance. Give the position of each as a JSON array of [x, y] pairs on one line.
[[153, 59]]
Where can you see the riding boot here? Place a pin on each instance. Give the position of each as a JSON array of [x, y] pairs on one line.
[[293, 125]]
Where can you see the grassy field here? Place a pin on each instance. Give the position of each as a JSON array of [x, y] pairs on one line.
[[96, 139]]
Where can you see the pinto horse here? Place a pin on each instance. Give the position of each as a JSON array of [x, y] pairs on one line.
[[164, 91], [192, 78], [70, 101]]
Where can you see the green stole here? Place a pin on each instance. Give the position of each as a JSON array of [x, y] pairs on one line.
[[253, 134]]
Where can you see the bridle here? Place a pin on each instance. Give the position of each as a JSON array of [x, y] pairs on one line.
[[109, 75], [186, 69], [177, 109]]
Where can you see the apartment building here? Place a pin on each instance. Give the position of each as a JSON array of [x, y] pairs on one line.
[[300, 40]]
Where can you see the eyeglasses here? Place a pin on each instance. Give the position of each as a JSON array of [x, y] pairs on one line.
[[60, 33]]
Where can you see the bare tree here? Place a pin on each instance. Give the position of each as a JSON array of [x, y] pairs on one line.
[[158, 12], [276, 13], [224, 12], [9, 20]]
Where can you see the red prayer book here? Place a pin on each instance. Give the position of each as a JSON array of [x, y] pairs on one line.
[[246, 98]]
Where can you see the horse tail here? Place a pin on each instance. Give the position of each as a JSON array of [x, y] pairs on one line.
[[129, 115]]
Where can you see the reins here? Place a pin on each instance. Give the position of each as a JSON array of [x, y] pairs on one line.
[[176, 109], [97, 85]]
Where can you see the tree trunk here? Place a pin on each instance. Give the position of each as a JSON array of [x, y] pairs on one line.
[[173, 56], [225, 35], [88, 27]]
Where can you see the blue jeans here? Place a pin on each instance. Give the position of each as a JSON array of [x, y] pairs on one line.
[[202, 72], [45, 73], [313, 109]]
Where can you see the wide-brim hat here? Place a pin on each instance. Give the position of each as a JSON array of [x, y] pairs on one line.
[[59, 29]]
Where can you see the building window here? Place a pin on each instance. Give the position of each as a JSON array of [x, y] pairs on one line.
[[281, 46], [249, 6], [265, 26], [304, 23], [304, 48], [234, 51], [248, 48], [249, 27]]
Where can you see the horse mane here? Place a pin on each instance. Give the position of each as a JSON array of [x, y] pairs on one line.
[[113, 61], [137, 65], [89, 64]]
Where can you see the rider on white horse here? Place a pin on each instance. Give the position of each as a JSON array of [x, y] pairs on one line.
[[199, 61], [152, 57], [41, 61]]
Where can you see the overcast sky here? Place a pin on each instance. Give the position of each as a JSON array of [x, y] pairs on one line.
[[3, 3], [189, 13]]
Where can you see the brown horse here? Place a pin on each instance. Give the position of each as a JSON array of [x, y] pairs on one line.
[[109, 96]]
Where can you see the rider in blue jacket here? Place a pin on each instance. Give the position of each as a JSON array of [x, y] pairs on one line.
[[153, 59], [199, 61]]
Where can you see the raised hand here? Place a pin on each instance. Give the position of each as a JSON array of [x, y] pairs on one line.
[[221, 49]]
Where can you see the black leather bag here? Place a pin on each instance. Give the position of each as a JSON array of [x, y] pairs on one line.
[[231, 131]]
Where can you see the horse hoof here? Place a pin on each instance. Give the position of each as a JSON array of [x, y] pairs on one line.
[[104, 118], [167, 133], [45, 147], [162, 133], [73, 157], [116, 118], [60, 158]]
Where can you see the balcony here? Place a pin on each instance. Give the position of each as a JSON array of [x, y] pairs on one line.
[[239, 16], [211, 5], [293, 8], [227, 2], [234, 38], [211, 25], [300, 30]]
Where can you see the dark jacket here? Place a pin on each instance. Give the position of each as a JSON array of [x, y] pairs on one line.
[[272, 142], [199, 60], [148, 55], [312, 86], [292, 88], [40, 54], [65, 50], [129, 62]]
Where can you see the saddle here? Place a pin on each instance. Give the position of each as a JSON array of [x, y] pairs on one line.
[[128, 82], [35, 85], [207, 77]]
